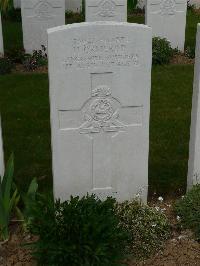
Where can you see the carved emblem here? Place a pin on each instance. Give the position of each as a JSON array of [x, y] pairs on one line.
[[107, 8], [168, 7], [43, 10], [101, 112]]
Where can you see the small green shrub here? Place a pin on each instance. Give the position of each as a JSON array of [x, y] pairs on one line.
[[5, 65], [16, 55], [37, 59], [78, 232], [188, 209], [12, 14], [190, 52], [148, 227], [162, 51]]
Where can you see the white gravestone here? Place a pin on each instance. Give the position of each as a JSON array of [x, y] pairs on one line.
[[194, 154], [73, 5], [37, 17], [168, 20], [1, 153], [141, 4], [106, 10], [17, 3], [1, 38], [100, 80]]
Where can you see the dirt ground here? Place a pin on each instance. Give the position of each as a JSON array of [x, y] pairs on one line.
[[180, 250]]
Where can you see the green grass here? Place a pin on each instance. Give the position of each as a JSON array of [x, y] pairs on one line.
[[25, 114]]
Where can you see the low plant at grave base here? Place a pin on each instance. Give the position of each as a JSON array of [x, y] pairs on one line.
[[5, 65], [28, 199], [77, 232], [8, 200], [148, 227], [162, 51], [37, 59], [190, 52], [16, 55], [188, 209]]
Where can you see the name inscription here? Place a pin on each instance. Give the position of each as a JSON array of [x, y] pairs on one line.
[[101, 52]]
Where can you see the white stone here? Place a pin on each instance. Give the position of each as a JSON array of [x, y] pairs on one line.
[[17, 3], [1, 38], [194, 154], [100, 82], [196, 3], [168, 20], [141, 3], [1, 153], [37, 17], [73, 5], [106, 10]]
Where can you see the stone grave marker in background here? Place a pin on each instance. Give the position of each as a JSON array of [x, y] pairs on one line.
[[106, 10], [100, 80], [194, 154], [1, 38], [73, 5], [1, 153], [168, 20], [37, 17]]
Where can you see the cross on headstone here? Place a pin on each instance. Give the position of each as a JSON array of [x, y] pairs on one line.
[[168, 20], [101, 122]]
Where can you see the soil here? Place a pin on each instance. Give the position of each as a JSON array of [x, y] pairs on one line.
[[180, 250]]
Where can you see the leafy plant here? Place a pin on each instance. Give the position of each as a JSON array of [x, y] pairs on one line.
[[28, 199], [190, 52], [132, 4], [8, 200], [77, 232], [16, 55], [5, 65], [6, 5], [147, 226], [162, 51], [188, 209], [37, 59]]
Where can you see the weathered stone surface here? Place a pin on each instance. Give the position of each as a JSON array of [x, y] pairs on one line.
[[168, 20], [106, 10], [1, 39], [194, 155], [100, 79], [37, 17]]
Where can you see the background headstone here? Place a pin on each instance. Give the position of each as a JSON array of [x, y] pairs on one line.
[[73, 5], [100, 80], [37, 17], [196, 3], [141, 3], [1, 38], [17, 3], [106, 10], [1, 153], [168, 20], [194, 154]]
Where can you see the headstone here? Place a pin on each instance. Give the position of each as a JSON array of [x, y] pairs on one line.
[[195, 3], [73, 5], [141, 4], [17, 3], [1, 38], [106, 10], [100, 80], [37, 17], [168, 20], [1, 153], [194, 154]]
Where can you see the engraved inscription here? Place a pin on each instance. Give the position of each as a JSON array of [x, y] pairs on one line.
[[101, 112], [168, 7], [107, 9], [101, 52], [43, 10]]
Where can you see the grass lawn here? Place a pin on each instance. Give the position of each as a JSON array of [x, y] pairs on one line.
[[25, 114]]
